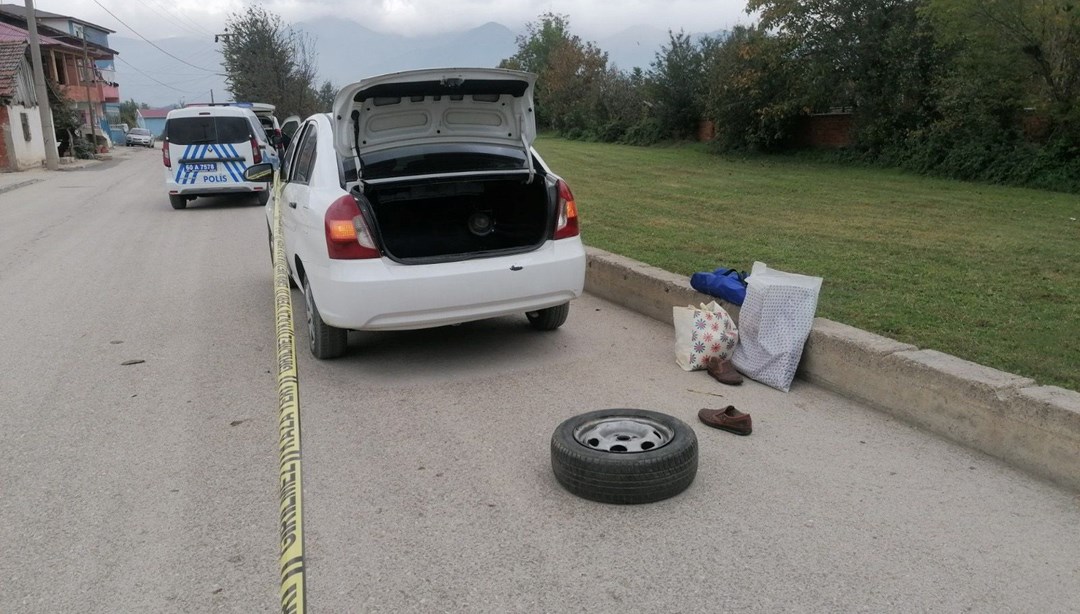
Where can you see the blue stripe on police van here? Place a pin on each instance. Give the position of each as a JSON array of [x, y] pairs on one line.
[[223, 152], [229, 166], [180, 166], [240, 166], [200, 153]]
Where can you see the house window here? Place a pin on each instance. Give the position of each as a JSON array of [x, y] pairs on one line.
[[61, 74], [25, 126]]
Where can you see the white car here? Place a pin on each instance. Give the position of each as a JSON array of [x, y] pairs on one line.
[[139, 136], [419, 202]]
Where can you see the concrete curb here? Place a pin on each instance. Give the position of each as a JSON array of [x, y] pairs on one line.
[[1036, 428]]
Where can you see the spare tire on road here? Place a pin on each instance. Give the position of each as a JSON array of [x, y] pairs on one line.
[[624, 455]]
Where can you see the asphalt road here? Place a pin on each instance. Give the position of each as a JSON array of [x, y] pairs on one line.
[[151, 487]]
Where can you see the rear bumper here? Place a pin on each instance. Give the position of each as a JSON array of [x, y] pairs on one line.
[[385, 295], [206, 188]]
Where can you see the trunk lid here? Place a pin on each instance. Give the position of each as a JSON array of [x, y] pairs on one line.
[[435, 106]]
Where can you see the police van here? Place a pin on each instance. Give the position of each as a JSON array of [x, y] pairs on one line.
[[206, 149]]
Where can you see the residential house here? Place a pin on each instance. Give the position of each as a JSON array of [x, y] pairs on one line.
[[22, 144], [153, 120], [83, 68]]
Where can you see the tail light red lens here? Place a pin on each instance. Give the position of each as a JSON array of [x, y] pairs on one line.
[[165, 154], [256, 153], [567, 224], [347, 235]]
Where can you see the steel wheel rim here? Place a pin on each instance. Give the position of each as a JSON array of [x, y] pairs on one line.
[[623, 434]]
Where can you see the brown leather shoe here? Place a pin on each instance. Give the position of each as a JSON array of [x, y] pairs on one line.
[[728, 419], [723, 371]]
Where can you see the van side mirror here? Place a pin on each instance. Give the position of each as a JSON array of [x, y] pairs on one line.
[[259, 172]]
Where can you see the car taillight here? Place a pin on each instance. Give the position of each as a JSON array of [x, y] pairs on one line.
[[347, 235], [567, 225], [165, 154], [256, 153]]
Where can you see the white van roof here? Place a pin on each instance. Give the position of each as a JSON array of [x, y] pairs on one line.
[[220, 111]]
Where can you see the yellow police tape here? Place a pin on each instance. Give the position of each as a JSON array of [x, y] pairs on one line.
[[291, 558]]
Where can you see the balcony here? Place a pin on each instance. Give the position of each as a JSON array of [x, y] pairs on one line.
[[110, 92], [98, 92]]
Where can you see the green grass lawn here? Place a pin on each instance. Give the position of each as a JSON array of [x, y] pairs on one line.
[[987, 273]]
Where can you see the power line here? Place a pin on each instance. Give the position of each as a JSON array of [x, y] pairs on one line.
[[179, 16], [152, 44], [151, 78]]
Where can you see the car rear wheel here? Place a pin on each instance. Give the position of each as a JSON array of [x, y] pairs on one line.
[[325, 341], [624, 456], [177, 201], [550, 318], [263, 197]]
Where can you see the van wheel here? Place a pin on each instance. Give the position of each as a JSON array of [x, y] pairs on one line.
[[177, 201], [325, 341], [263, 197], [550, 318]]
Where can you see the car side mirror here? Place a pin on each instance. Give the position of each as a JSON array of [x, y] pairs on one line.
[[259, 172]]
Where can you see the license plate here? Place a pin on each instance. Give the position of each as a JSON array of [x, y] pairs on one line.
[[198, 168]]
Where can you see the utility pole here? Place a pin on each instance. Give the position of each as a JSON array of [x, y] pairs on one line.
[[52, 157], [89, 101]]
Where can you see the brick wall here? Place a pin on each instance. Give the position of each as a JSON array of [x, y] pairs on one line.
[[826, 130], [706, 130]]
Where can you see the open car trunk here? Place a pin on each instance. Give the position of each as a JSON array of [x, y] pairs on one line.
[[442, 219]]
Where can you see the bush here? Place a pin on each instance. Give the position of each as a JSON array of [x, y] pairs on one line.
[[648, 131]]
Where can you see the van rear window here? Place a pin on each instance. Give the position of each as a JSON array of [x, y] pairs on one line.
[[207, 129]]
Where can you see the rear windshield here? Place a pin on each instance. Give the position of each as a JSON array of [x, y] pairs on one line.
[[207, 129]]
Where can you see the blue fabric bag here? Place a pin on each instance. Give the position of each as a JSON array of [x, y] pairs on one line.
[[727, 284]]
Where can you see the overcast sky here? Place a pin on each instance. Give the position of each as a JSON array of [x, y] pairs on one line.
[[156, 19]]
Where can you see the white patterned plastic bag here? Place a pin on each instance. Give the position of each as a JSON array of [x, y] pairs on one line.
[[702, 333], [774, 322]]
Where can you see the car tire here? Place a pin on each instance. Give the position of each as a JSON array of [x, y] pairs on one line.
[[660, 458], [177, 201], [325, 341], [550, 318], [263, 197]]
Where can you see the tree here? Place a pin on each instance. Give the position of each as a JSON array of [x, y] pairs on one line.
[[129, 112], [675, 84], [325, 96], [565, 66], [751, 91], [266, 61], [876, 57], [1027, 52]]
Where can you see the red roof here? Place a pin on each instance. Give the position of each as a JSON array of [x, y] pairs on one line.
[[12, 55], [9, 32], [154, 113]]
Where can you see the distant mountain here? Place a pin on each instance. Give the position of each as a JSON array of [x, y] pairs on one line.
[[347, 52], [633, 47]]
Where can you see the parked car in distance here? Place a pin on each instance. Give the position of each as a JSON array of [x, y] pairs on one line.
[[139, 136], [420, 202]]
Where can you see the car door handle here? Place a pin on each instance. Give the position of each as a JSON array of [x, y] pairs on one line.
[[292, 204]]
